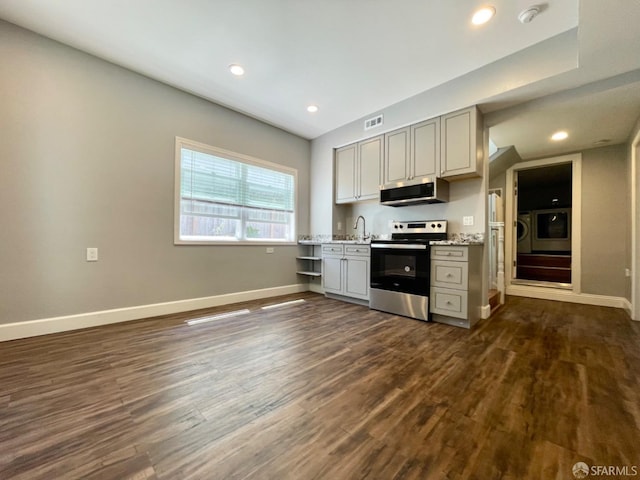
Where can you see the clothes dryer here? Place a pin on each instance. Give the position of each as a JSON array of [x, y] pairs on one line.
[[524, 232]]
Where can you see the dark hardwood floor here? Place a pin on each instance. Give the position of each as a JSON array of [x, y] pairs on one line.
[[325, 390]]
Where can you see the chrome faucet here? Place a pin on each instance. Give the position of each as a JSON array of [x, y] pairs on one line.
[[364, 227]]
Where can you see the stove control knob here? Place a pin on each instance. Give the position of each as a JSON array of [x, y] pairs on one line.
[[433, 225], [401, 226], [439, 225]]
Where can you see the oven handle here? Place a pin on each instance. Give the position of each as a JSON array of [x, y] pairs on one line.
[[399, 246]]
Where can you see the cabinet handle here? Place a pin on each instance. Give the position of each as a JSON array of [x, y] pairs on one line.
[[449, 275]]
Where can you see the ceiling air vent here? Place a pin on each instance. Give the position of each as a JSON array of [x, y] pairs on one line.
[[373, 122]]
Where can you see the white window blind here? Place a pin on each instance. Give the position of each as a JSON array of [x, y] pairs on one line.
[[227, 198]]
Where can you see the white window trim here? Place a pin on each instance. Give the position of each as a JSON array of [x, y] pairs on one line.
[[204, 148]]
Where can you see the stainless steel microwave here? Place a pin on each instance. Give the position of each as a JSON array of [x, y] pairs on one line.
[[429, 190]]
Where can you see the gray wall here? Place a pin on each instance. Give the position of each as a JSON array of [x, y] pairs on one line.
[[605, 229], [500, 162], [87, 155], [466, 197]]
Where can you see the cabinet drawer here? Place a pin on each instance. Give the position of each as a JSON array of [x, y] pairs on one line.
[[357, 250], [333, 249], [450, 253], [450, 274], [445, 301]]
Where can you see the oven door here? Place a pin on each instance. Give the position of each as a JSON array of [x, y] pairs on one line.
[[400, 268]]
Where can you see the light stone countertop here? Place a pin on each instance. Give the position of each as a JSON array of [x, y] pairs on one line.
[[461, 239], [458, 242]]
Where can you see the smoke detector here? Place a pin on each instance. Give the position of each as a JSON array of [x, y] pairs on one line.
[[529, 14]]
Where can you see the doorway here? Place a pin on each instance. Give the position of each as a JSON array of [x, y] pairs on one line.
[[543, 213], [543, 198]]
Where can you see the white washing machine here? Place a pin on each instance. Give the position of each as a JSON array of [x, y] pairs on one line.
[[524, 233]]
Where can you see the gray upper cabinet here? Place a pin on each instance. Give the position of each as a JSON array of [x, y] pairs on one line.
[[396, 156], [461, 141], [358, 170], [412, 153], [346, 173], [425, 149], [370, 161], [449, 146]]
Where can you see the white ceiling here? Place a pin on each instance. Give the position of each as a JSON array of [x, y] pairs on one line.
[[354, 58], [594, 115], [350, 57]]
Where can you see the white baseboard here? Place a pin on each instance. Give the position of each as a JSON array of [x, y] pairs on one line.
[[567, 296], [485, 311], [314, 287], [628, 308], [32, 328]]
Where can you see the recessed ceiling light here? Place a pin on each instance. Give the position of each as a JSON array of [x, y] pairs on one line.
[[237, 70], [483, 15], [312, 108], [561, 135]]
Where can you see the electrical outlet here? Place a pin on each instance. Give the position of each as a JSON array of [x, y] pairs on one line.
[[339, 226], [92, 254], [270, 250], [467, 220], [627, 272]]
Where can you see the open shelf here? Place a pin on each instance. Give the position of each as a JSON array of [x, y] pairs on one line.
[[309, 259], [309, 274]]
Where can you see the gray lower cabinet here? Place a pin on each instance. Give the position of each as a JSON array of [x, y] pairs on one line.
[[456, 286], [345, 270]]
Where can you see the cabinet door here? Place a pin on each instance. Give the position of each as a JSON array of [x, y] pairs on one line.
[[449, 274], [369, 165], [452, 303], [357, 277], [346, 173], [396, 158], [458, 143], [332, 274], [425, 149]]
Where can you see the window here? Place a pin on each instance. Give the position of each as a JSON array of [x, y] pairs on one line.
[[226, 197]]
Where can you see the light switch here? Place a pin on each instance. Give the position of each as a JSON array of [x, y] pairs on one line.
[[92, 254], [467, 220]]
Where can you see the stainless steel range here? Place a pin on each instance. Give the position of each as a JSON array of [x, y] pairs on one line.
[[401, 268]]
